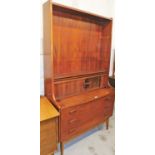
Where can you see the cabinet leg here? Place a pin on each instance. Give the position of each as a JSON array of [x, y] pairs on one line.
[[107, 123], [62, 148]]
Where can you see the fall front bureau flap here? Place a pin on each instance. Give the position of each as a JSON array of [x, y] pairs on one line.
[[85, 97]]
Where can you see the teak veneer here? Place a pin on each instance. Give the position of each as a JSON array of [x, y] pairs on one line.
[[77, 47], [48, 127]]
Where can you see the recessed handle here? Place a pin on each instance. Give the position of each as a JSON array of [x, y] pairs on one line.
[[73, 111], [72, 130], [72, 121]]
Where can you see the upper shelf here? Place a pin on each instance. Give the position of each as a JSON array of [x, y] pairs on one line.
[[82, 75], [80, 12]]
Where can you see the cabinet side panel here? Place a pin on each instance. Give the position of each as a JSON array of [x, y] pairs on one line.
[[47, 27], [47, 44], [106, 45], [106, 50]]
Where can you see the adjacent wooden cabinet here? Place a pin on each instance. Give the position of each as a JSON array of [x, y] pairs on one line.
[[77, 47], [48, 127]]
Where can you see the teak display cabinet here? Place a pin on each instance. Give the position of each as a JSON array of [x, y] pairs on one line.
[[77, 47]]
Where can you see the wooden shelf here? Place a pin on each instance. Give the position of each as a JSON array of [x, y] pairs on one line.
[[77, 76]]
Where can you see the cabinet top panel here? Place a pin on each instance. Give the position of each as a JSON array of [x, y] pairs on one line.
[[47, 110], [80, 12]]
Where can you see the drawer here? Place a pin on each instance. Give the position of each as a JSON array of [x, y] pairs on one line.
[[72, 132], [77, 119], [84, 110], [75, 111], [48, 136], [69, 124], [73, 118], [69, 130]]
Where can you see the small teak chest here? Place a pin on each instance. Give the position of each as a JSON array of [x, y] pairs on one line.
[[48, 127]]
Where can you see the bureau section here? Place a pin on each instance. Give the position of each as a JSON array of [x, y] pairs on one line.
[[76, 120], [48, 136]]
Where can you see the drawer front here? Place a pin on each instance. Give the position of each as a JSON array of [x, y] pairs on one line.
[[73, 118], [81, 118], [71, 132], [77, 119], [75, 111], [48, 136]]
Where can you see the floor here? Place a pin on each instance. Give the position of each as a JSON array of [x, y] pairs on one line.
[[98, 141]]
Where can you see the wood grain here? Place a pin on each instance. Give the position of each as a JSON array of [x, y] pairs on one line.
[[77, 40], [77, 69], [48, 127], [48, 136], [47, 110], [48, 51], [85, 97], [76, 119]]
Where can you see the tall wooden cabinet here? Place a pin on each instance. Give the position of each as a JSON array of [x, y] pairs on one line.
[[77, 47]]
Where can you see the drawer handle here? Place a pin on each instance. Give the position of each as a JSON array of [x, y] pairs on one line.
[[73, 111], [72, 121], [72, 130]]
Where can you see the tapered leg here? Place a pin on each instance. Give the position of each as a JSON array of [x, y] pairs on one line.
[[107, 123], [62, 148]]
